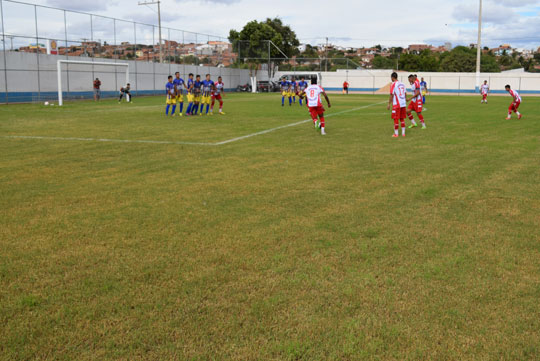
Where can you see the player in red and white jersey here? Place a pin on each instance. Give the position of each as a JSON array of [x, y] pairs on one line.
[[416, 102], [313, 101], [398, 103], [484, 90], [218, 93], [515, 102]]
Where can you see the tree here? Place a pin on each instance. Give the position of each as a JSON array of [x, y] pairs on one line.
[[254, 43], [381, 62], [289, 44], [311, 52], [191, 59], [488, 64], [425, 61], [460, 59]]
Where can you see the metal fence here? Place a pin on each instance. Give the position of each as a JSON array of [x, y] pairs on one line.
[[28, 32], [29, 28], [378, 81]]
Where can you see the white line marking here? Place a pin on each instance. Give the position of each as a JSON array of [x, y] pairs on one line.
[[105, 140], [292, 124], [180, 142]]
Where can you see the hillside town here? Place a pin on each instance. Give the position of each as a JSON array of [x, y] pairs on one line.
[[221, 53]]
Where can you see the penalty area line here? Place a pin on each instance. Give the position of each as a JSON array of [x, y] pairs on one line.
[[293, 124], [106, 140], [171, 142]]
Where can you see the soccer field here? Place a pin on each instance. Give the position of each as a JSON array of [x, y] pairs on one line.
[[129, 235]]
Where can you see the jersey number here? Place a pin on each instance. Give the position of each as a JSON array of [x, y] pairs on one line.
[[312, 93]]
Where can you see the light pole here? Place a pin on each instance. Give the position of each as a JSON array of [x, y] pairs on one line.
[[479, 47], [158, 2], [326, 56]]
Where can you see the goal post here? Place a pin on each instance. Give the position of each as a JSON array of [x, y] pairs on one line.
[[101, 63]]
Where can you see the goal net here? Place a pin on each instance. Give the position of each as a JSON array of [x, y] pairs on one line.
[[79, 76]]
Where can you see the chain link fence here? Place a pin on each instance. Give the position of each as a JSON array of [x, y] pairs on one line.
[[32, 28], [35, 36]]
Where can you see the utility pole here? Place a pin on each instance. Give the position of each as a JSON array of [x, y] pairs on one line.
[[269, 72], [479, 48], [84, 41], [326, 56], [11, 38], [158, 2]]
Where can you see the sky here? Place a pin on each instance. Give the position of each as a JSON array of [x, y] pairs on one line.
[[347, 23]]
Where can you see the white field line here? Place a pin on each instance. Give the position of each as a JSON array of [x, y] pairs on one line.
[[104, 140], [180, 142], [292, 124]]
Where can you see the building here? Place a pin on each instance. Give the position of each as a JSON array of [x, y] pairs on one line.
[[417, 48], [502, 49]]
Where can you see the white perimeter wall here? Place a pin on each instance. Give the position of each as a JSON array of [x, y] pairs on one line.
[[23, 76], [372, 80]]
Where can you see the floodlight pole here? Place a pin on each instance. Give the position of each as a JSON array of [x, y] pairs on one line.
[[326, 56], [479, 47], [158, 2]]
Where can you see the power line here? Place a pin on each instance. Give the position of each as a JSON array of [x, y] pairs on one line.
[[158, 2]]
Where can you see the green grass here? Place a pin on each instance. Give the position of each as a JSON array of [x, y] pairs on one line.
[[282, 246]]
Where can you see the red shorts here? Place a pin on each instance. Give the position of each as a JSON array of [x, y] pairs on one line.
[[514, 106], [416, 106], [398, 112], [316, 111], [218, 96]]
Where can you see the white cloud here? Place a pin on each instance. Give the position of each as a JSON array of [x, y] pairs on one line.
[[345, 22], [94, 5], [516, 3], [490, 14]]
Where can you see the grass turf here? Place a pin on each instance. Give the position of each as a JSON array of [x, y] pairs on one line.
[[282, 246]]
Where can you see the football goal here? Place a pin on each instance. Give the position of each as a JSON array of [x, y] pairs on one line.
[[102, 63]]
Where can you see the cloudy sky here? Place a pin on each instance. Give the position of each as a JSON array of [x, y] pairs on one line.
[[345, 22]]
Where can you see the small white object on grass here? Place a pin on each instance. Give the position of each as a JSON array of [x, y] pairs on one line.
[[46, 103]]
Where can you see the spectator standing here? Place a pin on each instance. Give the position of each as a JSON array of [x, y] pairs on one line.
[[345, 87], [97, 90]]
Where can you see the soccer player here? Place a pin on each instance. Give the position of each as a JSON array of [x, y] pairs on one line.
[[423, 88], [207, 92], [179, 87], [313, 100], [345, 87], [190, 97], [219, 89], [293, 89], [398, 102], [415, 103], [197, 85], [516, 101], [125, 91], [284, 85], [484, 90], [171, 95], [97, 91], [302, 85]]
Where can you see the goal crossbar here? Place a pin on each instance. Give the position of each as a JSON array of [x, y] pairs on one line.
[[59, 72]]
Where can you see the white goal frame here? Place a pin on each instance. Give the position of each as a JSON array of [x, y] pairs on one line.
[[59, 72]]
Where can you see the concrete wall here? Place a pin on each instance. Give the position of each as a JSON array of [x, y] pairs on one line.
[[31, 77], [458, 83]]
